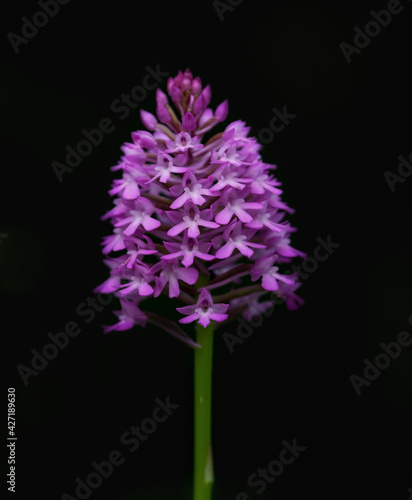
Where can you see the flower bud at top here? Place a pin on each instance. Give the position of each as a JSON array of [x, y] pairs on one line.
[[222, 111], [189, 122], [148, 120]]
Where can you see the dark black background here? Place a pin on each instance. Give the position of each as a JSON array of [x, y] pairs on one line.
[[290, 379]]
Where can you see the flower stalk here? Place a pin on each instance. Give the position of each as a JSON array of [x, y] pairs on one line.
[[203, 462]]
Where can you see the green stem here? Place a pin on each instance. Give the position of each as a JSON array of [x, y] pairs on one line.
[[203, 464]]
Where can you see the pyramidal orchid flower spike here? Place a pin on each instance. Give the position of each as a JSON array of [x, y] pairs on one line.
[[200, 220], [186, 207]]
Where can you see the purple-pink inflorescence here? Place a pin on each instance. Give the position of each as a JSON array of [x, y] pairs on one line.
[[186, 207]]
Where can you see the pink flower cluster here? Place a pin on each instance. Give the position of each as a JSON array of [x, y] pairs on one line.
[[186, 207]]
